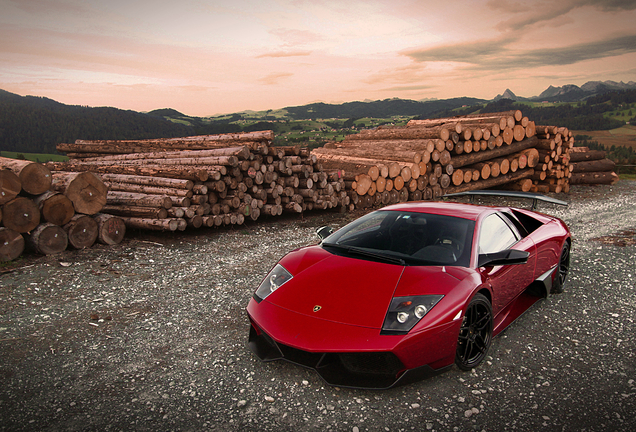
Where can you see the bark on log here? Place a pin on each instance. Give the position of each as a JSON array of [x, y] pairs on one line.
[[55, 207], [81, 231], [48, 239], [170, 224], [593, 166], [10, 185], [137, 211], [153, 190], [587, 155], [34, 177], [110, 229], [139, 199], [438, 132], [189, 173], [86, 190], [11, 244], [605, 177], [21, 215], [148, 181]]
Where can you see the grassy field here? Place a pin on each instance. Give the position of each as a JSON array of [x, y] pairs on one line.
[[624, 136], [36, 157]]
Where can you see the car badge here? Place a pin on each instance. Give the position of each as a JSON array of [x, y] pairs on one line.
[[317, 308]]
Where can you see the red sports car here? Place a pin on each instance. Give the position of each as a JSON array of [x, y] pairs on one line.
[[406, 291]]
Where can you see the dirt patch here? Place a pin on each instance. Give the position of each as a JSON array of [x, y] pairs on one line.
[[624, 238]]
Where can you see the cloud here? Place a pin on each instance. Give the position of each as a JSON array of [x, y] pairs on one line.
[[274, 78], [550, 11], [497, 55]]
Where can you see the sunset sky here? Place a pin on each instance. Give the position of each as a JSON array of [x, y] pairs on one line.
[[207, 57]]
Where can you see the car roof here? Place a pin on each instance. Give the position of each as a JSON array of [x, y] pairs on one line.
[[461, 210]]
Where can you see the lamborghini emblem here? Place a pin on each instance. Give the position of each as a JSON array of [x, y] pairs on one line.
[[317, 308]]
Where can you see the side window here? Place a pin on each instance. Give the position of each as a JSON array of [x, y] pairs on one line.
[[495, 235]]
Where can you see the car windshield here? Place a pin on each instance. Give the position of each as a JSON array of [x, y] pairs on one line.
[[408, 238]]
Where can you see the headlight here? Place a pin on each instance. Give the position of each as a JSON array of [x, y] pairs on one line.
[[274, 280], [405, 312]]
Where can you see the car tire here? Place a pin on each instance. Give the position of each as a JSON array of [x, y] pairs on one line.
[[562, 270], [475, 334]]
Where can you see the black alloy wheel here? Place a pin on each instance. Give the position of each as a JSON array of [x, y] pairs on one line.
[[564, 268], [475, 334]]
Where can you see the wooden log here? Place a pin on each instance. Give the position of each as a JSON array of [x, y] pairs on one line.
[[153, 190], [10, 185], [589, 155], [169, 224], [47, 239], [81, 231], [590, 178], [138, 211], [491, 182], [86, 190], [148, 181], [21, 215], [599, 165], [11, 244], [188, 173], [35, 178], [110, 228], [138, 199], [54, 207], [437, 132], [469, 159]]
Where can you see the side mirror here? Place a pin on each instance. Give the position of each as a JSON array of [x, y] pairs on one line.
[[324, 232], [504, 257]]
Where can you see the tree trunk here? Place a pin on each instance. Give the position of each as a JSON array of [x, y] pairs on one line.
[[10, 185], [81, 231], [472, 158], [138, 211], [604, 177], [110, 229], [48, 239], [21, 215], [153, 224], [35, 177], [55, 207], [139, 199], [593, 166], [189, 173], [148, 181], [86, 190], [11, 244]]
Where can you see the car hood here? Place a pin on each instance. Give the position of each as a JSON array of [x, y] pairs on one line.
[[350, 290]]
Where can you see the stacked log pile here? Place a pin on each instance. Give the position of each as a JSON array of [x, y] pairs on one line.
[[204, 181], [427, 159], [47, 211], [591, 167], [553, 172]]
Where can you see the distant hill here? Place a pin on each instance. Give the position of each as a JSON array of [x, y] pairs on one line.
[[32, 124], [378, 109]]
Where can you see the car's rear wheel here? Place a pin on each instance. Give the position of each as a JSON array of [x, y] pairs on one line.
[[475, 334], [564, 268]]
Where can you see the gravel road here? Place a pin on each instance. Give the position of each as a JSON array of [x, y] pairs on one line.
[[150, 335]]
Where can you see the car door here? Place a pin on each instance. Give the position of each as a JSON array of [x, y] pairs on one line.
[[507, 282]]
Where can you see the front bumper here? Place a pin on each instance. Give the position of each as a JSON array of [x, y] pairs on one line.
[[370, 370], [347, 355]]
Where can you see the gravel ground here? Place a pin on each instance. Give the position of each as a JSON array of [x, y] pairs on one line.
[[150, 335]]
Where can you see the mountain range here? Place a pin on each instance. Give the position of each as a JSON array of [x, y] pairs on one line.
[[571, 92]]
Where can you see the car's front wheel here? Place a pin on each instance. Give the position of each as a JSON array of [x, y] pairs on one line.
[[475, 334]]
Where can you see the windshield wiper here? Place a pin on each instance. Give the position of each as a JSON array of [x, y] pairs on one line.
[[367, 253]]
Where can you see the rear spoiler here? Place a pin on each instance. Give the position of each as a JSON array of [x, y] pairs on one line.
[[512, 194]]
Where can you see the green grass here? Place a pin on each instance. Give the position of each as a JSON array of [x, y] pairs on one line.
[[35, 157]]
